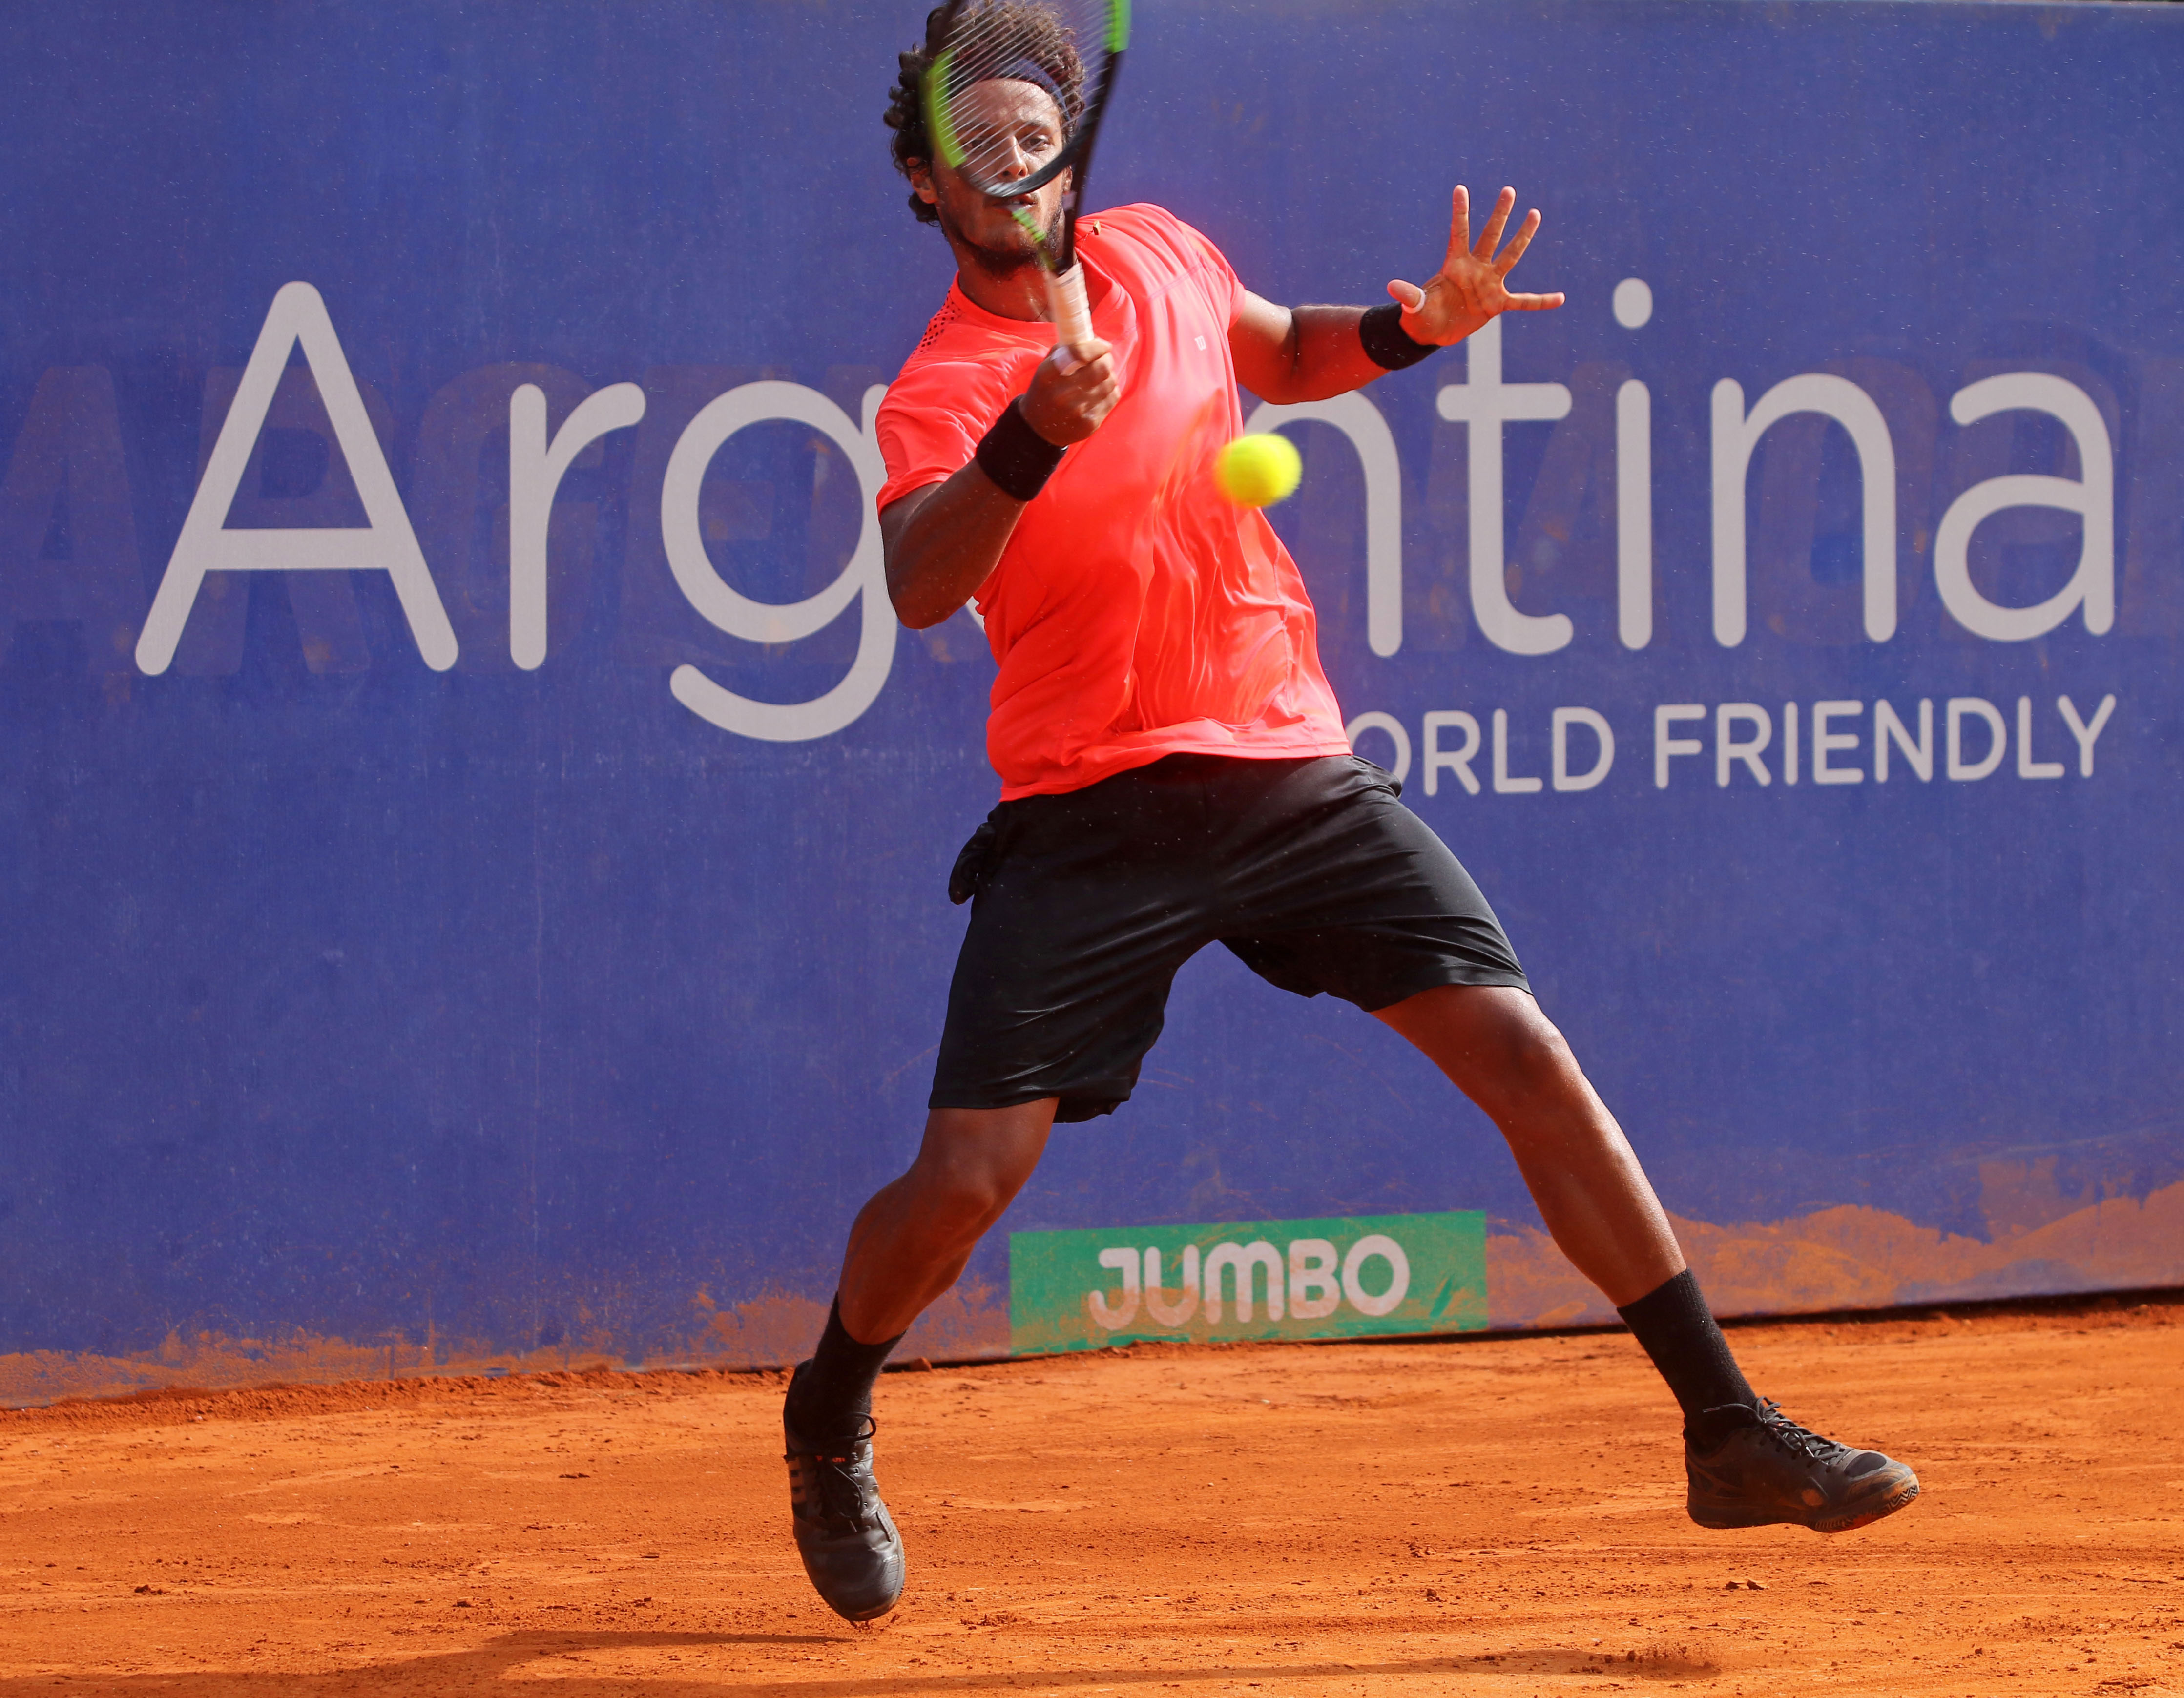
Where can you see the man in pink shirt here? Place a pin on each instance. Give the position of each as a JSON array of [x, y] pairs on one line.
[[1174, 773], [1134, 612]]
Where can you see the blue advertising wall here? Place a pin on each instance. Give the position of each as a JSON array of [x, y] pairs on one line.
[[522, 938]]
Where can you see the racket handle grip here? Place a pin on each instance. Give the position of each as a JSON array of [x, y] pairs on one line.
[[1066, 303]]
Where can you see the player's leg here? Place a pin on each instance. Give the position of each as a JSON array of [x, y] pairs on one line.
[[1086, 904], [1497, 1047], [909, 1244], [1336, 887], [1747, 1465]]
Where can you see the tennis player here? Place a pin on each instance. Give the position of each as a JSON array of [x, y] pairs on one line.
[[1174, 772]]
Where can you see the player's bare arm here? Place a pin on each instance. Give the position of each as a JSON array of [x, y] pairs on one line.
[[1287, 354], [942, 541]]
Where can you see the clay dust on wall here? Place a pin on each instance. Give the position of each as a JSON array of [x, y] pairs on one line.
[[1840, 1258]]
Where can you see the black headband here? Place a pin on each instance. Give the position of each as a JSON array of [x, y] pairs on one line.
[[1025, 70]]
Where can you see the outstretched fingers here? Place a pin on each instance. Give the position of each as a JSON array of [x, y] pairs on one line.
[[1460, 271], [1459, 226], [1518, 242], [1491, 237]]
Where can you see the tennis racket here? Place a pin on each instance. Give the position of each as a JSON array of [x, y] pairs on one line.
[[1070, 47]]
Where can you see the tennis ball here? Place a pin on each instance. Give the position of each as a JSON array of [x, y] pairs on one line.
[[1254, 471]]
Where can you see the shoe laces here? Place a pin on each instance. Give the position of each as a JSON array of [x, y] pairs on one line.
[[843, 1486], [1798, 1440]]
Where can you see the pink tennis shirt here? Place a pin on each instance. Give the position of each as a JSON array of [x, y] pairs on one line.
[[1135, 614]]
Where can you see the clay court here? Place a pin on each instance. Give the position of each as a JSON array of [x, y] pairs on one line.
[[1498, 1515]]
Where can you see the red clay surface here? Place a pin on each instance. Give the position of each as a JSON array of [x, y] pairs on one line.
[[1492, 1517]]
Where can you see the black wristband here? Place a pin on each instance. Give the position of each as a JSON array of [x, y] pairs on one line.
[[1016, 457], [1386, 342]]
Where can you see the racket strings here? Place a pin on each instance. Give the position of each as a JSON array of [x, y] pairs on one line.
[[1046, 44], [1051, 38]]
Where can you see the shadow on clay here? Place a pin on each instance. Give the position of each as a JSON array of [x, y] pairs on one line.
[[511, 1652]]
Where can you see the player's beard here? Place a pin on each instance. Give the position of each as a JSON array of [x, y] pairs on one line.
[[998, 263]]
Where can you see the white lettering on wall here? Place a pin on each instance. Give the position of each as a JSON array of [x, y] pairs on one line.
[[1965, 708], [722, 605], [1666, 748], [1603, 739], [2027, 767], [2086, 734], [1826, 740], [1504, 783], [1736, 435], [1484, 404], [2090, 495], [1239, 1260], [1320, 1279], [1457, 761], [540, 458], [1124, 1310], [1315, 1287], [1633, 305], [1372, 1247], [385, 543], [1179, 1312], [1744, 732], [1360, 420], [535, 470], [1887, 729], [1730, 748], [1634, 514], [458, 500]]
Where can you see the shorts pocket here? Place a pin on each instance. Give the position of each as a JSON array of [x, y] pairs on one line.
[[975, 862]]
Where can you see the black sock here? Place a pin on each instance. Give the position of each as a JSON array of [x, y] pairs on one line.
[[832, 1394], [1678, 1332]]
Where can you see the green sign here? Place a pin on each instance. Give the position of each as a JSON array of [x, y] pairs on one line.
[[1367, 1275]]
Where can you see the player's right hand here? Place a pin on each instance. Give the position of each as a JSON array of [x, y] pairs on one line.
[[1071, 393]]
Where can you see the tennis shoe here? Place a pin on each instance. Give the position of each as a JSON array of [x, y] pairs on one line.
[[1766, 1469], [843, 1532]]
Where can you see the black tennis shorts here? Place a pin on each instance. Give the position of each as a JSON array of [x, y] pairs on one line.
[[1085, 904]]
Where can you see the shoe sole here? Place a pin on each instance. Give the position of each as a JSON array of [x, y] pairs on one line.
[[886, 1609], [1865, 1517], [1725, 1519]]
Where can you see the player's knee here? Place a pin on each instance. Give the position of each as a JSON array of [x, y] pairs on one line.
[[964, 1197], [1531, 1058], [1540, 1051], [972, 1163]]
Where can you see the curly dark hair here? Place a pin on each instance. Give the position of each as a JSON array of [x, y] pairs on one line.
[[1031, 31]]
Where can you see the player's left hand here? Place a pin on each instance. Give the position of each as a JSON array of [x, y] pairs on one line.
[[1470, 287]]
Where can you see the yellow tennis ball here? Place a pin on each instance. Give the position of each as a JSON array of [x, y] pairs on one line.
[[1254, 471]]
